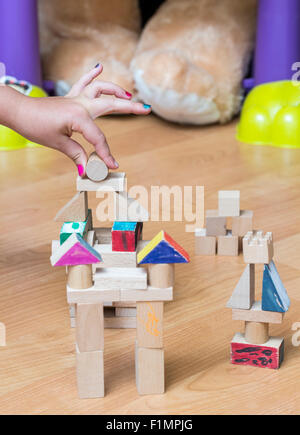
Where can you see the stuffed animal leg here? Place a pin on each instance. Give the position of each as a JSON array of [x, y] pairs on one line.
[[192, 57], [76, 35]]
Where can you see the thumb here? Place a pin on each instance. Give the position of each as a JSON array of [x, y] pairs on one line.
[[76, 153]]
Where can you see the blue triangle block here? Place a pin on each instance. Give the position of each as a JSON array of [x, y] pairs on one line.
[[274, 295], [163, 253]]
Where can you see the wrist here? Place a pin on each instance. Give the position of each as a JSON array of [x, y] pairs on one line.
[[11, 102]]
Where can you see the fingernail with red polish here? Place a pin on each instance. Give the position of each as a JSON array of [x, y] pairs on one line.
[[128, 94], [80, 170]]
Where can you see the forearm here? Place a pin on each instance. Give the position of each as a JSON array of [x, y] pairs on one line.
[[10, 104]]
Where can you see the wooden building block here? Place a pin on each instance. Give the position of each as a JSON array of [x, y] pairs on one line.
[[149, 366], [80, 277], [75, 210], [2, 334], [125, 236], [92, 296], [126, 312], [243, 223], [161, 275], [128, 209], [89, 327], [103, 235], [228, 245], [258, 248], [120, 322], [229, 203], [115, 182], [81, 228], [112, 258], [149, 330], [96, 169], [151, 294], [274, 294], [204, 245], [115, 278], [243, 296], [90, 374], [256, 314], [268, 355], [91, 238], [215, 224], [126, 304], [256, 332]]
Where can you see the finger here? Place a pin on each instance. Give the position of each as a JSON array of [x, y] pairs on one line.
[[94, 135], [97, 88], [75, 151], [85, 80], [105, 106]]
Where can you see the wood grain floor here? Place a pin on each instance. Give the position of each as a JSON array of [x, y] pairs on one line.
[[37, 367]]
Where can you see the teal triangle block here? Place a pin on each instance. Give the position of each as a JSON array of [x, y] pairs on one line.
[[274, 294]]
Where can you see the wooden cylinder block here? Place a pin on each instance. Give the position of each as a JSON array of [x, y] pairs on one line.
[[161, 275], [256, 332], [96, 169], [80, 277]]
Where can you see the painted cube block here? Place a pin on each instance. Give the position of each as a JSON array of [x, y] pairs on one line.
[[125, 235], [81, 228]]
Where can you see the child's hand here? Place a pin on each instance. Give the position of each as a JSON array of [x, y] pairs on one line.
[[51, 121]]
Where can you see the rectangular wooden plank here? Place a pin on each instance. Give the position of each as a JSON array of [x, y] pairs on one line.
[[90, 374], [120, 278], [150, 371], [115, 182], [89, 327], [256, 314]]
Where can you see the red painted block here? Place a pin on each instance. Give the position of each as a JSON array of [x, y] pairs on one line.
[[268, 355], [125, 236]]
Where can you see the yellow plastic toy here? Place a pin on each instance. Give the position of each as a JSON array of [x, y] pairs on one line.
[[9, 139], [271, 115]]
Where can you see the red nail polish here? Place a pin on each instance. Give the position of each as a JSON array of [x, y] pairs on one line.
[[128, 94], [80, 170]]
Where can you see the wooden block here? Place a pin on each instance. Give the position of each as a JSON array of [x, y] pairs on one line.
[[258, 248], [91, 238], [126, 312], [117, 278], [112, 258], [115, 182], [76, 210], [126, 304], [269, 355], [81, 228], [243, 223], [72, 310], [151, 294], [125, 235], [256, 332], [2, 334], [54, 246], [90, 374], [204, 245], [120, 323], [96, 169], [256, 314], [215, 224], [229, 202], [161, 275], [150, 376], [149, 329], [243, 296], [91, 296], [128, 209], [89, 327], [228, 245], [80, 277], [274, 294], [103, 235]]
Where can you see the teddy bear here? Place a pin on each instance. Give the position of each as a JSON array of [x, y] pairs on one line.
[[188, 62]]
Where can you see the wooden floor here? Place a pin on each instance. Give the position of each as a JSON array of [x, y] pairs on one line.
[[37, 368]]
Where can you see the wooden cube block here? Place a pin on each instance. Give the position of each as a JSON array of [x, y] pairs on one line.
[[125, 235], [243, 223], [89, 327], [215, 224], [204, 245], [228, 245], [149, 331], [229, 203], [90, 374], [68, 228], [269, 355], [150, 371], [257, 247]]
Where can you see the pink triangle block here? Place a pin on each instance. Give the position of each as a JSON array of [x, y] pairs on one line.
[[75, 251]]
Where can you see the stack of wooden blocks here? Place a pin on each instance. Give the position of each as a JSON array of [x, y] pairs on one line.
[[255, 347], [104, 267], [216, 237]]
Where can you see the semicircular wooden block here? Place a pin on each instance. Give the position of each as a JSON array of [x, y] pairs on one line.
[[162, 249], [75, 251]]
